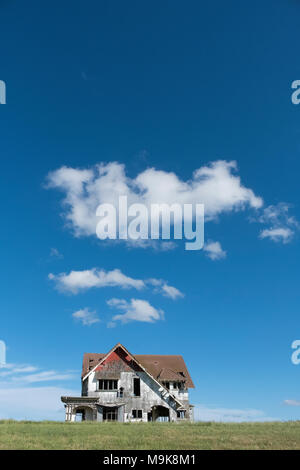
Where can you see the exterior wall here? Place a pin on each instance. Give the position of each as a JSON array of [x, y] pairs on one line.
[[181, 394], [150, 395]]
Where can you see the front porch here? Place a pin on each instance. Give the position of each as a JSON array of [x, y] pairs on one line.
[[91, 409]]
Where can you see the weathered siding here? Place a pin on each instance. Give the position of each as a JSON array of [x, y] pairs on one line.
[[150, 395]]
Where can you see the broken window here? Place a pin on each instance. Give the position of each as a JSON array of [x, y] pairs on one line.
[[137, 414], [108, 385], [181, 414], [166, 384], [136, 387], [110, 414]]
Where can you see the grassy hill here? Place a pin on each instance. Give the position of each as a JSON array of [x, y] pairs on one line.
[[157, 436]]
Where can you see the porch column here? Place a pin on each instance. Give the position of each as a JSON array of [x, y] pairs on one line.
[[121, 413], [100, 414]]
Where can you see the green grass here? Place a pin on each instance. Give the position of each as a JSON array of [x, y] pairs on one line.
[[157, 436]]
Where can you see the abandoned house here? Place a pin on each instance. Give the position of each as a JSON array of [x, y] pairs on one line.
[[119, 386]]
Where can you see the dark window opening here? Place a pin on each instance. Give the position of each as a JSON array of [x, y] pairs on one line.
[[110, 414], [137, 414], [108, 385], [136, 387], [178, 385], [167, 385], [80, 415], [181, 414]]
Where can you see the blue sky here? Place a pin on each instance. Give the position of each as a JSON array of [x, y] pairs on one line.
[[176, 87]]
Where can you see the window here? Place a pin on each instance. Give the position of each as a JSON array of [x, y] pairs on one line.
[[121, 392], [166, 384], [108, 385], [137, 414], [181, 414], [110, 414], [177, 385], [136, 387]]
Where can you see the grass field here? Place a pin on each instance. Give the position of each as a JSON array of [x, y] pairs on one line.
[[157, 436]]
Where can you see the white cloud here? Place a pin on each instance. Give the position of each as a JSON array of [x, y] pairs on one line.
[[33, 403], [207, 413], [86, 279], [86, 316], [216, 185], [164, 288], [279, 234], [10, 369], [44, 376], [292, 402], [23, 374], [282, 225], [170, 291], [214, 250], [277, 215], [77, 281], [135, 310]]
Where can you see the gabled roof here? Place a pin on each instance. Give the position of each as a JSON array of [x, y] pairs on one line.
[[169, 374], [161, 367], [164, 368], [134, 360]]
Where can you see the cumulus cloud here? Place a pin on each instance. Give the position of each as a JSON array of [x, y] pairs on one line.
[[164, 288], [86, 316], [207, 413], [281, 225], [135, 310], [279, 234], [216, 185], [170, 291], [76, 281], [214, 250]]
